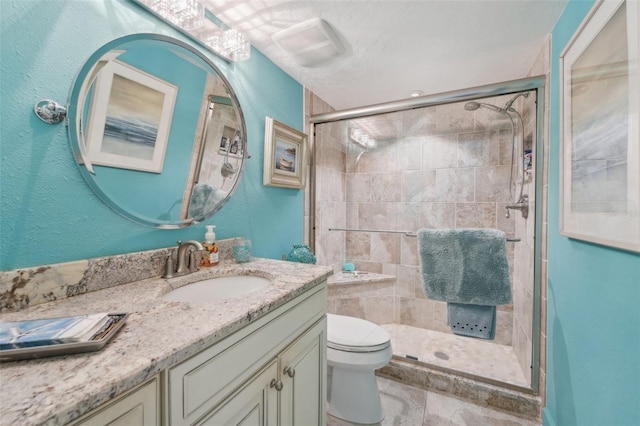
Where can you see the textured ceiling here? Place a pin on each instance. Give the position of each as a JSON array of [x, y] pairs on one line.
[[396, 47]]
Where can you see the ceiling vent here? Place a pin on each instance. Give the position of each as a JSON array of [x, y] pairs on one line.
[[310, 43]]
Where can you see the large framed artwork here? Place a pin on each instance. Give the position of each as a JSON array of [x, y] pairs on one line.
[[600, 117], [285, 155], [129, 118]]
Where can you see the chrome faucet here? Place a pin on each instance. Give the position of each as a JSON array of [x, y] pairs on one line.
[[522, 205], [185, 265]]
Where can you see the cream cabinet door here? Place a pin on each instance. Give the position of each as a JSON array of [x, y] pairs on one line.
[[201, 383], [139, 407], [255, 404], [303, 376]]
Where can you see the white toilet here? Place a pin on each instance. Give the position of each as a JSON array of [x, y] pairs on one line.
[[355, 349]]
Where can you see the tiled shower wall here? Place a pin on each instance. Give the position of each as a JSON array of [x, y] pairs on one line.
[[327, 199]]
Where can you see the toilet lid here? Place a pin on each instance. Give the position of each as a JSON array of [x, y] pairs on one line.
[[355, 334]]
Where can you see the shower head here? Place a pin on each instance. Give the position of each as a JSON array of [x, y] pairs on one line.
[[472, 106]]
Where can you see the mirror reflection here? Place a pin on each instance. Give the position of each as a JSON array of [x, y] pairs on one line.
[[157, 131]]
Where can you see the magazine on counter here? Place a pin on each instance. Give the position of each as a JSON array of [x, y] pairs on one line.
[[53, 331]]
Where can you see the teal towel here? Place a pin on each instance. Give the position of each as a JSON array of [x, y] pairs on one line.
[[204, 199], [465, 265], [472, 320]]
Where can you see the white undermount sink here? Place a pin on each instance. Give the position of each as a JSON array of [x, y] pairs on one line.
[[218, 288]]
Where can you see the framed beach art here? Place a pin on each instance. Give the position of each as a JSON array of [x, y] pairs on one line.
[[600, 118], [129, 118], [285, 153]]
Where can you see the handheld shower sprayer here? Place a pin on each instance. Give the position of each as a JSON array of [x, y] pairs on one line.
[[472, 106], [520, 202]]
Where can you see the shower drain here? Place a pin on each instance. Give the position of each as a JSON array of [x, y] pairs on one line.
[[441, 355]]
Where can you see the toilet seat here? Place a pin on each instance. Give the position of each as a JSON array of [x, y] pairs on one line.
[[351, 334]]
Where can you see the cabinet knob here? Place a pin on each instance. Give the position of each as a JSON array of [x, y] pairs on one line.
[[289, 371], [276, 384]]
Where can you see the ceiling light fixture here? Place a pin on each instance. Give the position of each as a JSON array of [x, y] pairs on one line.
[[362, 138], [189, 16], [235, 45]]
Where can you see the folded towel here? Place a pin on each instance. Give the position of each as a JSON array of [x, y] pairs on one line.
[[472, 320], [465, 265], [204, 199]]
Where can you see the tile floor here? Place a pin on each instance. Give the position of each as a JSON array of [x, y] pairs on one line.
[[472, 356], [409, 406]]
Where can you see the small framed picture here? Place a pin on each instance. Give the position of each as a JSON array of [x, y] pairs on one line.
[[285, 154]]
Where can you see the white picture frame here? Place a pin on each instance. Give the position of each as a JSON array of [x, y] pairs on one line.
[[600, 118], [126, 98], [285, 156]]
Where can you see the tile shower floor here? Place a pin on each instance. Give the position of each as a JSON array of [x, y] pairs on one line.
[[410, 406], [465, 354]]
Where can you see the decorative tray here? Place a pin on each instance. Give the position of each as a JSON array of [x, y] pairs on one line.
[[111, 323]]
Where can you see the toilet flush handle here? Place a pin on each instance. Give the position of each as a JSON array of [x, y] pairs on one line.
[[289, 371]]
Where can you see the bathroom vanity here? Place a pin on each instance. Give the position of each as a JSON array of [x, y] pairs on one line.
[[259, 357]]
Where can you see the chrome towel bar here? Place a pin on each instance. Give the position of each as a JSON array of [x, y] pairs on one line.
[[407, 233]]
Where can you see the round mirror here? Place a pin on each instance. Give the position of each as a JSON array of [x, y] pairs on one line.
[[157, 131]]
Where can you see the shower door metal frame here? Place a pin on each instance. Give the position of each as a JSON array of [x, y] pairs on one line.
[[536, 83]]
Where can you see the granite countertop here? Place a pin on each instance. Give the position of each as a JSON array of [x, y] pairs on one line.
[[157, 335]]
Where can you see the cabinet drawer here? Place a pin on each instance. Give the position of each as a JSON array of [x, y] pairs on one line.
[[195, 386], [138, 407]]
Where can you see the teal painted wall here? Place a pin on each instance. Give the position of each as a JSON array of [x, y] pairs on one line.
[[47, 212], [593, 347]]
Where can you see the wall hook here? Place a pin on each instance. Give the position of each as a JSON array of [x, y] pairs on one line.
[[50, 111]]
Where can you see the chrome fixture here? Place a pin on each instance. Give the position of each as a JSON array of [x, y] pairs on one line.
[[522, 205], [185, 265], [507, 106], [50, 111], [190, 17], [406, 233], [472, 106]]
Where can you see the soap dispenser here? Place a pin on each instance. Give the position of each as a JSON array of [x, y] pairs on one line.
[[210, 253]]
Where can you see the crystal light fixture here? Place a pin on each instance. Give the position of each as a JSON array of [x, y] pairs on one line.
[[235, 45], [362, 139], [189, 16], [186, 14], [189, 13]]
